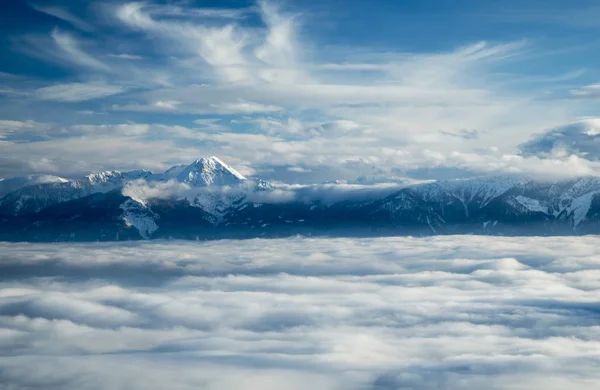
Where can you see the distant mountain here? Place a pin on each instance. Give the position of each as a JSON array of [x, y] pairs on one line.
[[9, 185], [33, 198], [208, 199], [205, 172]]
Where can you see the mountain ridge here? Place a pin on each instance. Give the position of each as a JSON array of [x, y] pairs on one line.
[[209, 199]]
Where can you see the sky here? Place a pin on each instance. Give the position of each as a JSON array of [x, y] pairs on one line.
[[301, 91], [395, 313]]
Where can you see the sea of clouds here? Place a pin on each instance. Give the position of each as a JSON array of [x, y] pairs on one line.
[[454, 312]]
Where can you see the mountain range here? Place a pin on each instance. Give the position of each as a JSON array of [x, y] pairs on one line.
[[208, 199]]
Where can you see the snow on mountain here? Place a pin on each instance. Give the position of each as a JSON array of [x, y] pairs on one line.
[[33, 198], [533, 205], [139, 217], [480, 190], [580, 207], [37, 193], [576, 201], [207, 183], [209, 172], [221, 192], [12, 184], [217, 203], [171, 173], [472, 194], [37, 197], [114, 179]]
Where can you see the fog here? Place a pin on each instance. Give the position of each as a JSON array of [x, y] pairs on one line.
[[142, 191], [451, 312]]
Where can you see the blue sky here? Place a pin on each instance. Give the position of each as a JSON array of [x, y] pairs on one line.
[[301, 91]]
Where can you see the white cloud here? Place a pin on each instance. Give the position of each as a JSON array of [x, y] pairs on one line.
[[142, 191], [239, 107], [448, 313], [211, 124], [243, 107], [167, 105], [70, 47], [580, 138], [554, 168], [313, 147], [126, 56], [76, 92], [298, 169], [65, 15], [83, 149], [204, 12], [8, 127], [220, 47], [586, 92]]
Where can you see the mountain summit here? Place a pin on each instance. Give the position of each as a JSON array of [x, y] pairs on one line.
[[209, 172]]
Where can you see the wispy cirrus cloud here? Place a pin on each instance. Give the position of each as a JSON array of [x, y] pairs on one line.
[[64, 14], [126, 56], [78, 92], [70, 47]]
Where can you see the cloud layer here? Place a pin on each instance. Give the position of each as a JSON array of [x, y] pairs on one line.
[[402, 313]]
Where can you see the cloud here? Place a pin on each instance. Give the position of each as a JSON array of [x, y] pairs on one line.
[[284, 95], [81, 149], [464, 134], [126, 56], [568, 166], [242, 107], [204, 12], [206, 108], [581, 138], [219, 47], [587, 92], [211, 124], [314, 150], [65, 15], [167, 105], [142, 191], [413, 313], [77, 92], [128, 145], [10, 128], [9, 185], [298, 169], [70, 47], [232, 51]]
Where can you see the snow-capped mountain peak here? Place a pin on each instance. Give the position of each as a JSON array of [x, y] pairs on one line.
[[209, 172]]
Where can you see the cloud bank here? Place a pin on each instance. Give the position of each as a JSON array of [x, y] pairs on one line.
[[399, 313], [142, 190], [581, 138]]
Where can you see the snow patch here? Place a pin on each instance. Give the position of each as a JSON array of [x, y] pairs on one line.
[[531, 204], [140, 217], [579, 208]]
